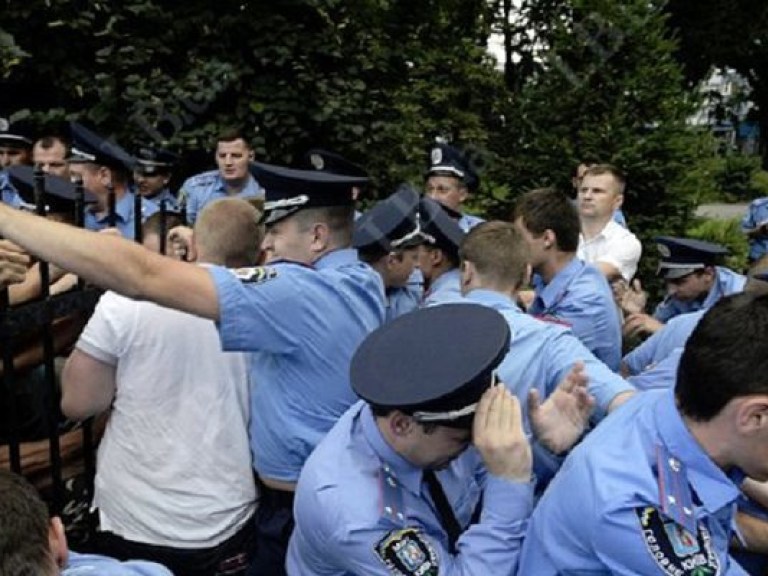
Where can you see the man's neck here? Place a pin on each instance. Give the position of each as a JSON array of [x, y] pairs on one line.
[[552, 266], [234, 187], [593, 227], [102, 204], [712, 438]]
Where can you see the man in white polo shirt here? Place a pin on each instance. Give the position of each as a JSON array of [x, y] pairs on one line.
[[613, 249]]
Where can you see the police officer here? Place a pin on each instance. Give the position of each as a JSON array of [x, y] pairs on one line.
[[439, 254], [15, 150], [755, 225], [567, 290], [393, 487], [652, 490], [59, 195], [231, 178], [693, 282], [387, 238], [302, 316], [450, 179], [105, 168], [152, 173]]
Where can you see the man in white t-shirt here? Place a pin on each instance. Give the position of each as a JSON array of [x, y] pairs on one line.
[[174, 482], [613, 249]]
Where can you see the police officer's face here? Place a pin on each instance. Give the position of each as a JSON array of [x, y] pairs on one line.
[[286, 239], [150, 185], [10, 156], [232, 158], [599, 196], [401, 266], [437, 448], [447, 190], [52, 160], [691, 287], [94, 178]]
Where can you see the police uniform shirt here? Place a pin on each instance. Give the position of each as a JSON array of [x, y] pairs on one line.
[[401, 300], [469, 221], [445, 289], [757, 214], [91, 564], [662, 374], [363, 509], [8, 194], [200, 190], [637, 496], [165, 195], [302, 324], [579, 296], [124, 216], [673, 334], [542, 353], [726, 282]]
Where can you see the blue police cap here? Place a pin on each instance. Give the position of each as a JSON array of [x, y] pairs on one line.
[[151, 161], [16, 134], [440, 229], [59, 193], [87, 146], [288, 190], [446, 160], [325, 161], [391, 224], [434, 363], [683, 256]]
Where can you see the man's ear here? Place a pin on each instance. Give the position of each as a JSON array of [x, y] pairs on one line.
[[752, 416], [401, 424], [468, 272], [57, 541], [321, 237], [550, 240]]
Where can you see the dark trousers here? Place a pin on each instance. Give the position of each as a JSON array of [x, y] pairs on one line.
[[273, 524], [230, 558]]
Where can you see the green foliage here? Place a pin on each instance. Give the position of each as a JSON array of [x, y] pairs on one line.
[[727, 233], [731, 178]]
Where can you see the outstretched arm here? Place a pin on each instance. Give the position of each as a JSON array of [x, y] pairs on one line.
[[114, 263]]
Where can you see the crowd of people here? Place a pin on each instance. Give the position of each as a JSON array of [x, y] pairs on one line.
[[293, 387]]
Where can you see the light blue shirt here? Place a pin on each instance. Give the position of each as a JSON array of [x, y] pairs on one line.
[[618, 217], [674, 334], [445, 289], [302, 324], [579, 297], [359, 502], [757, 214], [542, 353], [663, 374], [468, 221], [8, 193], [726, 282], [202, 189], [124, 216], [400, 301], [638, 493], [171, 203], [93, 565]]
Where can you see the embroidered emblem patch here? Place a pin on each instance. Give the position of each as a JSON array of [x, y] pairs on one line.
[[436, 156], [677, 551], [256, 275], [407, 553], [664, 250], [317, 161]]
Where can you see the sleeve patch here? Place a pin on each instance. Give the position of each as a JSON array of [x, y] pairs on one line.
[[256, 275], [676, 550], [407, 552]]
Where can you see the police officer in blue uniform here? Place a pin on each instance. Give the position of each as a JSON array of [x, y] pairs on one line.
[[16, 141], [302, 316], [231, 178], [395, 488], [387, 237], [152, 173], [653, 489], [567, 290], [439, 254], [755, 225], [693, 281], [674, 334], [59, 195], [105, 168], [450, 179]]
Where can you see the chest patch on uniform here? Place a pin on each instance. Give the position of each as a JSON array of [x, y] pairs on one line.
[[677, 551], [256, 275], [552, 319], [407, 553]]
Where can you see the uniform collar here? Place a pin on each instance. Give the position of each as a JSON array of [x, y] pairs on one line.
[[713, 486], [491, 298], [550, 293], [123, 209], [406, 474], [336, 258], [451, 277]]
